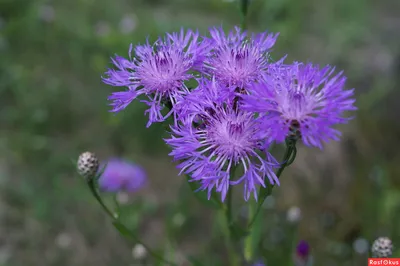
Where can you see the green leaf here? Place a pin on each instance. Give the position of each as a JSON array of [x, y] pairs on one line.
[[202, 196], [122, 229]]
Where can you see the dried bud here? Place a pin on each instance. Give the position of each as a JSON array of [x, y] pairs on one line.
[[382, 247], [88, 164]]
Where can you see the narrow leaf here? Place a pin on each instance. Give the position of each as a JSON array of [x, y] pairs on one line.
[[122, 229]]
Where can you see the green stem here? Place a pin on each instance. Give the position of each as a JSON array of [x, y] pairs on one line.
[[293, 157], [248, 242], [115, 220], [288, 158], [234, 260], [228, 207], [99, 200], [230, 242], [228, 210]]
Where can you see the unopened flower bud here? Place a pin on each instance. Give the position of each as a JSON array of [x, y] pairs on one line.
[[88, 164], [382, 247]]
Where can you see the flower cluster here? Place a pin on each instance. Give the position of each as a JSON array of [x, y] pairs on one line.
[[242, 102]]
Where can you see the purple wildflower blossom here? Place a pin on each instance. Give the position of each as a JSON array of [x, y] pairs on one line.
[[122, 175], [301, 99], [186, 108], [302, 255], [157, 71], [237, 60], [303, 249], [215, 137]]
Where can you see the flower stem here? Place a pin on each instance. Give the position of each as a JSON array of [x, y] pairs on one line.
[[122, 227], [228, 207], [228, 210], [234, 260], [248, 242], [99, 200], [230, 241], [288, 158]]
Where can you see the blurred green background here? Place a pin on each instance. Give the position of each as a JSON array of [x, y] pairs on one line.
[[53, 107]]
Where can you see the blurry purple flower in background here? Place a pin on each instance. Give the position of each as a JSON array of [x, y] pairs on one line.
[[157, 71], [237, 59], [301, 257], [301, 100], [122, 175], [303, 249]]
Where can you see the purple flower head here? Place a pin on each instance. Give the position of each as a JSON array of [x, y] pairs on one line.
[[189, 105], [236, 59], [303, 249], [122, 175], [214, 138], [157, 71], [302, 255], [301, 100]]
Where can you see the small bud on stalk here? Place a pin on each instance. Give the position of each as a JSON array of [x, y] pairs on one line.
[[88, 165], [382, 247]]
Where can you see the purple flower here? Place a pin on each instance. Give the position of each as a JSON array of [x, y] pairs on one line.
[[237, 60], [219, 94], [122, 175], [303, 249], [258, 263], [158, 71], [214, 138], [302, 255], [301, 100]]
